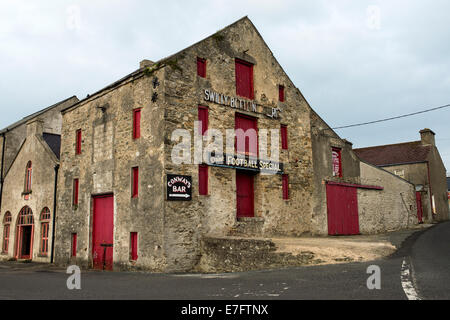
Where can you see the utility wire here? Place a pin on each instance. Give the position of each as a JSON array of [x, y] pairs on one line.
[[392, 118]]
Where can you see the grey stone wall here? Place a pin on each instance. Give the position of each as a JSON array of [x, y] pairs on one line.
[[389, 209]]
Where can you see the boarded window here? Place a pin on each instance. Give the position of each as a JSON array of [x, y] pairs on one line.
[[284, 137], [246, 134], [136, 123], [135, 182], [78, 142], [285, 179], [76, 185], [201, 67], [74, 245], [45, 224], [203, 118], [133, 246], [337, 162], [6, 231], [203, 179], [281, 93], [244, 79]]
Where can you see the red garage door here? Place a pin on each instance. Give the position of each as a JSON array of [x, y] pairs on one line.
[[103, 230], [342, 206]]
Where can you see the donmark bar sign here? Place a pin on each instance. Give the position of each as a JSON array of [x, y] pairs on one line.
[[179, 188]]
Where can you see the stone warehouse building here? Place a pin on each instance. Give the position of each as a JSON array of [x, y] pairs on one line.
[[420, 163], [131, 196], [30, 160]]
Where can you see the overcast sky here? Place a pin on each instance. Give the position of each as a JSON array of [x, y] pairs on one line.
[[354, 61]]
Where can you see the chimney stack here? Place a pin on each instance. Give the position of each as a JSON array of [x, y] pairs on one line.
[[427, 136], [35, 127]]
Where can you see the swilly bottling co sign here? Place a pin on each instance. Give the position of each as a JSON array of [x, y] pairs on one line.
[[236, 103], [179, 188]]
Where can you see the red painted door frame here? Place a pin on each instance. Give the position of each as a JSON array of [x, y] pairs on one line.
[[103, 232], [342, 210], [245, 198]]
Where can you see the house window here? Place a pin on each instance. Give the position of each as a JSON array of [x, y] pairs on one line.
[[74, 245], [284, 136], [281, 93], [78, 142], [244, 79], [203, 118], [337, 162], [6, 231], [28, 175], [136, 123], [133, 246], [201, 67], [76, 186], [135, 182], [285, 179], [203, 179], [45, 223]]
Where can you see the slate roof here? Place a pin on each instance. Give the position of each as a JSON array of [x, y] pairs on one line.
[[31, 116], [393, 154], [54, 142]]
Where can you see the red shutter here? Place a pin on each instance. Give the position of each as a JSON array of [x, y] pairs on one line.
[[201, 67], [133, 246], [203, 179], [244, 79], [136, 124], [284, 137], [285, 178], [74, 244], [75, 191], [78, 142], [337, 162], [203, 118], [245, 123], [135, 182], [281, 93]]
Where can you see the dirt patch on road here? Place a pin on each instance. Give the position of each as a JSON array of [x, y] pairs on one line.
[[336, 250]]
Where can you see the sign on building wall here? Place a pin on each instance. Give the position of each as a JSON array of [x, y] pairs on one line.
[[245, 162], [337, 163], [179, 188]]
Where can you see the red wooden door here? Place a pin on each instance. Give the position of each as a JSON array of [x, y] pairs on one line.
[[244, 194], [419, 207], [102, 234], [342, 205]]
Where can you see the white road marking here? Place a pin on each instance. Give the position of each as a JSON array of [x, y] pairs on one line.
[[406, 279]]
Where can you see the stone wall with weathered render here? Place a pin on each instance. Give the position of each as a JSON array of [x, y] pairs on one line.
[[109, 153], [323, 139], [36, 150], [389, 209], [215, 214]]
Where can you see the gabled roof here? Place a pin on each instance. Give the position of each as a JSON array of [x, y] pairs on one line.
[[33, 115], [394, 154], [53, 141]]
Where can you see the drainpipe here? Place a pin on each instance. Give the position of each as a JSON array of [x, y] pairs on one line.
[[431, 192], [1, 170], [54, 213]]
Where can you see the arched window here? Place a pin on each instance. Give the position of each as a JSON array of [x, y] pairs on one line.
[[28, 177], [6, 231], [45, 223], [25, 217]]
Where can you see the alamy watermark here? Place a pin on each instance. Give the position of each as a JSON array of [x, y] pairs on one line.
[[374, 281], [74, 281]]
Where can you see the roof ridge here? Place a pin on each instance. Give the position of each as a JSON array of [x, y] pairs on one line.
[[388, 145]]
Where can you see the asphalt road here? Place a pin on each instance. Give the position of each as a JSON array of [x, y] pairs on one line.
[[425, 258]]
